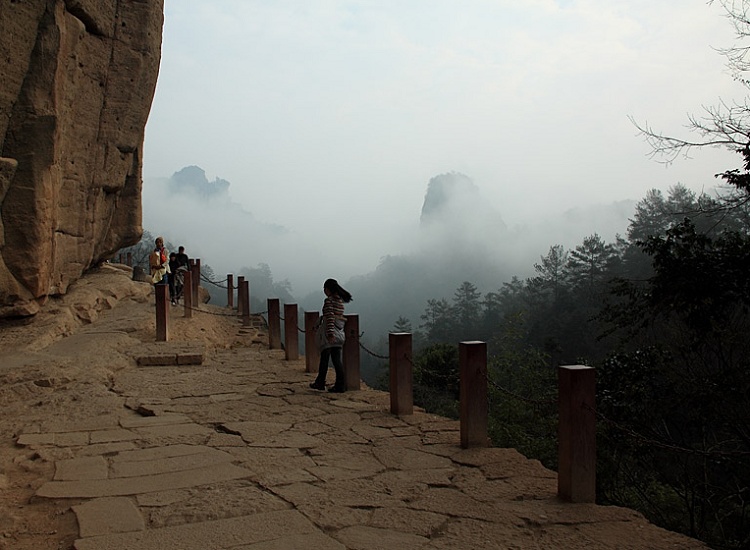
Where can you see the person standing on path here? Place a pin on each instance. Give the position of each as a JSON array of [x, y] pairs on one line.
[[158, 261], [330, 336], [182, 258]]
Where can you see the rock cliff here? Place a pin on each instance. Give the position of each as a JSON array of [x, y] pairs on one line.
[[78, 81]]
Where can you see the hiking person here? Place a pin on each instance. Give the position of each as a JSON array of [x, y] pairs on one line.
[[158, 261], [330, 336], [173, 266]]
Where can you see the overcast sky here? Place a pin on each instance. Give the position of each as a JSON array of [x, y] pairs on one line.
[[306, 104]]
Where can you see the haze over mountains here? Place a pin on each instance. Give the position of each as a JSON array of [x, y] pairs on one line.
[[459, 237]]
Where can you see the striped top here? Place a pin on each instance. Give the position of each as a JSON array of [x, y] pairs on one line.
[[333, 309]]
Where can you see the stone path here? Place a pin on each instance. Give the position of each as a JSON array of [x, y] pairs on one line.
[[238, 453]]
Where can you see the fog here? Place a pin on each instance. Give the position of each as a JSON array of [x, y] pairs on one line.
[[328, 120], [455, 236]]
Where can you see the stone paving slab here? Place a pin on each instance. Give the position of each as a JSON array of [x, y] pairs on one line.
[[174, 430], [156, 453], [208, 458], [74, 439], [286, 468], [143, 484], [89, 467], [169, 354], [112, 436], [310, 541], [211, 535], [104, 516], [138, 421]]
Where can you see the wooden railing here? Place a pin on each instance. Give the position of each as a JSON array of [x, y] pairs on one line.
[[576, 383]]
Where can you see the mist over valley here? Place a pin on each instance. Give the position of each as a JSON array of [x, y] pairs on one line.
[[456, 235]]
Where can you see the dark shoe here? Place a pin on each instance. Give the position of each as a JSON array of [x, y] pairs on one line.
[[334, 389], [316, 386]]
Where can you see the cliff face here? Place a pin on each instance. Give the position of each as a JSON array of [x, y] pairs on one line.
[[78, 81]]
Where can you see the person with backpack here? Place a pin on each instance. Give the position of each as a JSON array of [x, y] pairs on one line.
[[158, 261], [330, 336]]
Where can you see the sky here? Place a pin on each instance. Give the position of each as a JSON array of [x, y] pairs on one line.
[[333, 115]]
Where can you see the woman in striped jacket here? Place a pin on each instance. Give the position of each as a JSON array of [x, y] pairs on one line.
[[331, 336]]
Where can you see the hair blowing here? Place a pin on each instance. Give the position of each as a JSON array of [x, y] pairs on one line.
[[334, 287]]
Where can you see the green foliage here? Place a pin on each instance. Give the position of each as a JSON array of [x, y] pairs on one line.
[[402, 324], [436, 379], [263, 286], [438, 322], [664, 315], [523, 397]]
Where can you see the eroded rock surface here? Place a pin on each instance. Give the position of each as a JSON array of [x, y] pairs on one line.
[[78, 82]]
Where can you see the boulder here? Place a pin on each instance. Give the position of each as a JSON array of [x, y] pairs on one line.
[[78, 82]]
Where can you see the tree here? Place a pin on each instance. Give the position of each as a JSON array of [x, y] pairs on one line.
[[590, 262], [437, 380], [725, 124], [467, 310], [551, 272], [438, 321], [262, 286], [402, 324], [681, 383]]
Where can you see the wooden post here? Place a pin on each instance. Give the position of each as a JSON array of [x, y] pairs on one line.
[[240, 302], [312, 353], [187, 297], [130, 259], [120, 259], [472, 358], [274, 324], [246, 303], [351, 352], [196, 269], [162, 313], [291, 338], [576, 467], [401, 373], [230, 291]]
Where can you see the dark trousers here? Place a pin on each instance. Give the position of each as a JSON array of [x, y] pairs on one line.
[[333, 354]]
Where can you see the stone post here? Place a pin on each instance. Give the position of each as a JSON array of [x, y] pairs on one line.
[[291, 338], [274, 324], [187, 297], [474, 407], [230, 291], [312, 353], [576, 478], [401, 373], [351, 352], [162, 312], [246, 303], [196, 269], [240, 280]]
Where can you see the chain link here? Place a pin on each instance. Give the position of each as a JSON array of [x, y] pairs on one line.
[[215, 283], [361, 345], [298, 329], [217, 314], [538, 402]]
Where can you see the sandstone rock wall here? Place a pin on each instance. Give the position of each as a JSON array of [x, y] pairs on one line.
[[78, 79]]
